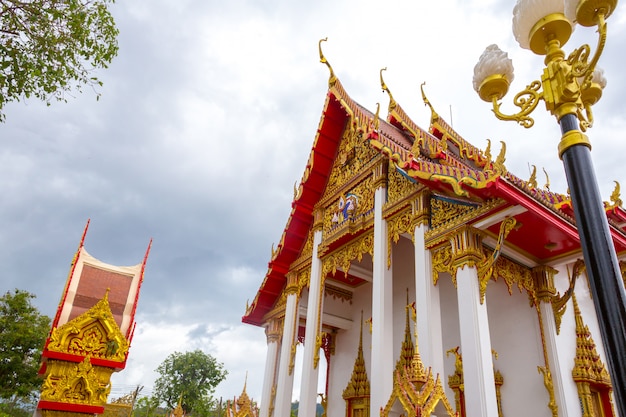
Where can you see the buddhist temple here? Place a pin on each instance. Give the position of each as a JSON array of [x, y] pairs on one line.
[[90, 336], [504, 323]]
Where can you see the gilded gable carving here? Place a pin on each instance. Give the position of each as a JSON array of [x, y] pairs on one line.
[[398, 186], [93, 334], [353, 155], [443, 211]]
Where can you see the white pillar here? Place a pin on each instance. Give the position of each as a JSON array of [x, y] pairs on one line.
[[381, 379], [284, 388], [310, 370], [428, 307], [478, 379], [272, 333]]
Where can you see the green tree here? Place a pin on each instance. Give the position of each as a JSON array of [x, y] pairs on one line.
[[194, 375], [50, 47], [23, 330], [148, 407]]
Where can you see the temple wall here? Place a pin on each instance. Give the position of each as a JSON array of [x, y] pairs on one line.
[[403, 262], [450, 324], [516, 336], [342, 362]]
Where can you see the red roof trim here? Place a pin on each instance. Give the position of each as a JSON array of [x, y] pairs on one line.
[[300, 220]]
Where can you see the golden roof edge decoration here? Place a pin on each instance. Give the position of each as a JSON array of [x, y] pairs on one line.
[[333, 78], [392, 101], [93, 334]]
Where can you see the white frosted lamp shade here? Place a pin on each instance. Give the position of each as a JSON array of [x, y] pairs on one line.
[[593, 91], [570, 10], [493, 65], [527, 13]]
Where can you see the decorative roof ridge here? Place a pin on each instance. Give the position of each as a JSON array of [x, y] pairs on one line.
[[436, 121]]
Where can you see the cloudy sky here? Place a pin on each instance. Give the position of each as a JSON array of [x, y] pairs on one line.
[[204, 125]]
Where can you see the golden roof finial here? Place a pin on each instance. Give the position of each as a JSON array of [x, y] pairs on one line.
[[392, 101], [547, 185], [333, 79], [532, 181], [616, 201], [488, 150], [433, 114], [377, 117], [499, 162]]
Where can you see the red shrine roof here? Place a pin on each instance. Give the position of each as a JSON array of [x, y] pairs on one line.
[[443, 161], [90, 279]]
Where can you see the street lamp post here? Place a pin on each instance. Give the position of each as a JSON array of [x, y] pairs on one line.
[[569, 87]]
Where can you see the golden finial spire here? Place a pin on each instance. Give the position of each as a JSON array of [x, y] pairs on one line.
[[532, 181], [392, 101], [377, 118], [547, 185], [488, 150], [333, 79], [359, 385], [616, 201], [433, 114]]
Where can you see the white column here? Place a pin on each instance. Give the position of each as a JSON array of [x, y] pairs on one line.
[[381, 379], [310, 370], [565, 395], [284, 388], [272, 333], [566, 408], [478, 379], [428, 307]]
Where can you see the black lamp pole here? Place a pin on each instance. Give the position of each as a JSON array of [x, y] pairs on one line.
[[601, 262]]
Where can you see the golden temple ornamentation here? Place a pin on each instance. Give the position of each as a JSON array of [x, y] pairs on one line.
[[545, 370], [456, 384], [441, 224], [292, 355], [414, 387], [76, 383], [591, 376], [486, 267], [353, 156], [532, 181], [455, 381], [357, 392], [418, 400], [515, 274], [392, 101], [93, 334], [559, 302], [242, 406], [441, 261], [338, 293], [616, 200], [343, 256], [622, 267], [398, 186], [547, 382], [333, 78], [543, 281], [443, 211], [407, 350], [547, 184], [396, 226]]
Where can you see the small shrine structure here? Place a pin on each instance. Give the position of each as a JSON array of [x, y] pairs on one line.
[[90, 336]]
